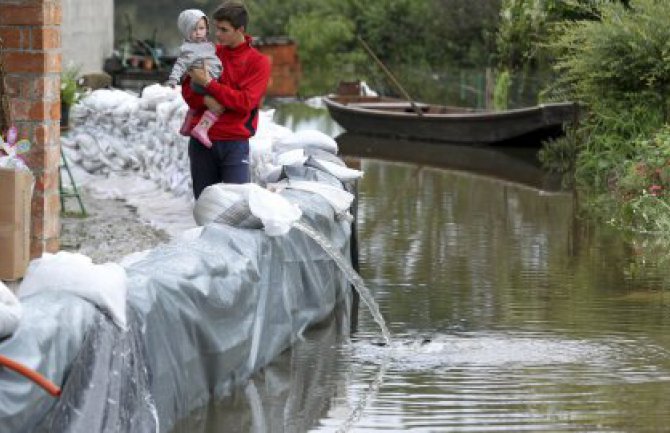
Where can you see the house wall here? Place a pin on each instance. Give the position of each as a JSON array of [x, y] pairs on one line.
[[87, 33]]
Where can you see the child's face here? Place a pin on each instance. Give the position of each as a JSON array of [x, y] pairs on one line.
[[199, 33]]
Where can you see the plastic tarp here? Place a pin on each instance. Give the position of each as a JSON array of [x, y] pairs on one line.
[[289, 395], [204, 314]]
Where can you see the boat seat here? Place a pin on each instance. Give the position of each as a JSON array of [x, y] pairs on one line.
[[400, 106]]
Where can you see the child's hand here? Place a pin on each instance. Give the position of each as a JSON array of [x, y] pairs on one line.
[[200, 75]]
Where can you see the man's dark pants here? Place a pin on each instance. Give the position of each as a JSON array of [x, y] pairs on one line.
[[225, 162]]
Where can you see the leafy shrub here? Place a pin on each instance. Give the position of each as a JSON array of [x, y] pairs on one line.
[[501, 91], [648, 172], [70, 91], [624, 53]]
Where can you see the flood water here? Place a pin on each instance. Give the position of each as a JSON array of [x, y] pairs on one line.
[[508, 312]]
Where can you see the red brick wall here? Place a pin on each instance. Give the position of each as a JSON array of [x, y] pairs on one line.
[[31, 33]]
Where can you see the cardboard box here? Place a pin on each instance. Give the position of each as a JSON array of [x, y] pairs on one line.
[[16, 188]]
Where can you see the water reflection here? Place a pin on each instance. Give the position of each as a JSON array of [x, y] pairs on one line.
[[513, 163], [515, 314], [290, 395], [298, 116]]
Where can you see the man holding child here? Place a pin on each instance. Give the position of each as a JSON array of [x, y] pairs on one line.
[[237, 94]]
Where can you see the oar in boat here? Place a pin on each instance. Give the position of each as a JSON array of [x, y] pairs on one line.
[[402, 90]]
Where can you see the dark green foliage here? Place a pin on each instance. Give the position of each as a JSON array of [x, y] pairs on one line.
[[425, 35], [625, 54], [525, 28], [618, 66], [428, 35]]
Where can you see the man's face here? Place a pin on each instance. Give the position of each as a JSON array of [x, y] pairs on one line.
[[227, 35]]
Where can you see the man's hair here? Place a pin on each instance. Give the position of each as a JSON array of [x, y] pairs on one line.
[[234, 12]]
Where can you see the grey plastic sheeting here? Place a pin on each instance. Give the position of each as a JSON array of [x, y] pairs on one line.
[[204, 315], [291, 394]]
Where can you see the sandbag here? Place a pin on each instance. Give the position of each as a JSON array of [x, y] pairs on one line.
[[245, 206], [104, 285], [308, 138]]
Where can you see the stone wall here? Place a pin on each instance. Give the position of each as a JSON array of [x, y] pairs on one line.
[[31, 30]]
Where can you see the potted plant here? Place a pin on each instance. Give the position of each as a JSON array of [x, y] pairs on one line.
[[70, 92]]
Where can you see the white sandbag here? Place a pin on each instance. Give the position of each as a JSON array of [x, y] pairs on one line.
[[269, 173], [276, 213], [146, 117], [79, 112], [104, 285], [247, 206], [10, 311], [216, 200], [134, 257], [120, 131], [260, 150], [291, 157], [155, 94], [71, 155], [341, 172], [105, 100], [126, 108], [67, 141], [308, 138], [268, 128], [338, 198], [92, 165], [164, 112]]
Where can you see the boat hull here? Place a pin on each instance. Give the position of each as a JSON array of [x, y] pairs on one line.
[[449, 125]]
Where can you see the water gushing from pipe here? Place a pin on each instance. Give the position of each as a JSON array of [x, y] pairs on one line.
[[351, 275]]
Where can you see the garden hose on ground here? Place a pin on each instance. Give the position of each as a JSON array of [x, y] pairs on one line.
[[30, 374]]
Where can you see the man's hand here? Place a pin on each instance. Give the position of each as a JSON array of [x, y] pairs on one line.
[[200, 75]]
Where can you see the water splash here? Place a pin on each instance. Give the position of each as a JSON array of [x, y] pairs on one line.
[[604, 358], [351, 275]]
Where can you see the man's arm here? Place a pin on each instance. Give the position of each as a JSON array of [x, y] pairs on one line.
[[250, 89], [193, 100]]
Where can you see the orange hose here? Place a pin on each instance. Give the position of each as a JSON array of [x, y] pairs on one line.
[[31, 374]]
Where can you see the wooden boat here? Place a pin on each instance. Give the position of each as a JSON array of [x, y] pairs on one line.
[[390, 117]]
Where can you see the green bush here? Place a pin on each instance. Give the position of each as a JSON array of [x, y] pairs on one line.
[[619, 67], [501, 91], [625, 52], [648, 172], [70, 91]]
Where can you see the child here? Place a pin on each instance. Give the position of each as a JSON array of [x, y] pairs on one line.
[[194, 52]]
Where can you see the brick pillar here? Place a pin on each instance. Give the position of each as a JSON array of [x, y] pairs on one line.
[[31, 33]]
